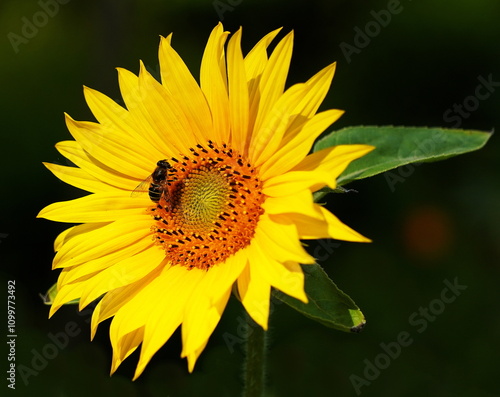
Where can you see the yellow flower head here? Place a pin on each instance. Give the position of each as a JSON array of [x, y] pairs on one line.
[[226, 200]]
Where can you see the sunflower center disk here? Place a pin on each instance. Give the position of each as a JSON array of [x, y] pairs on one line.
[[210, 209]]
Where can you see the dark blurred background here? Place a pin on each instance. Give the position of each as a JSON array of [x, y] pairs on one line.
[[408, 63]]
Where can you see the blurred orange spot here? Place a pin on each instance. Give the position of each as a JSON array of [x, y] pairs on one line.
[[427, 232]]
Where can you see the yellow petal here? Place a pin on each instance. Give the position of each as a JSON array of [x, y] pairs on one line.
[[171, 291], [272, 82], [115, 118], [68, 234], [315, 171], [136, 90], [280, 240], [255, 298], [243, 281], [201, 318], [177, 79], [340, 231], [122, 273], [173, 130], [114, 236], [134, 94], [128, 344], [276, 274], [288, 184], [72, 274], [114, 150], [73, 151], [114, 300], [98, 207], [335, 158], [62, 237], [238, 93], [318, 87], [213, 82], [63, 296], [267, 138], [298, 146], [323, 225], [211, 294], [255, 63], [78, 178], [287, 117], [192, 357], [301, 203], [138, 312]]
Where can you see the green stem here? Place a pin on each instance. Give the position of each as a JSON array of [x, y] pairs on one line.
[[255, 360]]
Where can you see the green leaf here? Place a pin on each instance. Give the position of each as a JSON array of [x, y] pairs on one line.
[[398, 146], [327, 304], [49, 296]]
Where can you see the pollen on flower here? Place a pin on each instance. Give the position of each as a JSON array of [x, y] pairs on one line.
[[211, 209]]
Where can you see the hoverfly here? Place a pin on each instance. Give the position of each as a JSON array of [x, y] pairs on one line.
[[156, 184]]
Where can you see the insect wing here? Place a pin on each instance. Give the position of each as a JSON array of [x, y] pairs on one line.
[[142, 187]]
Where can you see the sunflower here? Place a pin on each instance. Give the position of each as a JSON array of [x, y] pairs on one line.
[[225, 198]]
